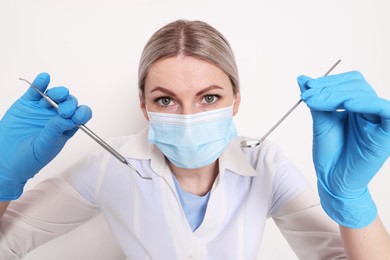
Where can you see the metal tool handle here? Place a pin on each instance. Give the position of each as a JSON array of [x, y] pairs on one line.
[[100, 141], [91, 134], [255, 142]]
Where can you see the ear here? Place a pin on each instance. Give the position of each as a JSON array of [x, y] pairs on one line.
[[236, 105], [143, 107]]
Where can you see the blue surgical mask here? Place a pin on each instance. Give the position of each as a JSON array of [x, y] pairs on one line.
[[192, 141]]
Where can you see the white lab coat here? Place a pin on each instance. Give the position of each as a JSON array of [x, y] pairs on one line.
[[148, 221]]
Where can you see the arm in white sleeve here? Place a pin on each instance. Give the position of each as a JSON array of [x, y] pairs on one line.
[[308, 230], [49, 210]]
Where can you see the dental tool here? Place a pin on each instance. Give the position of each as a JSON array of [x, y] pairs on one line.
[[250, 143], [91, 134]]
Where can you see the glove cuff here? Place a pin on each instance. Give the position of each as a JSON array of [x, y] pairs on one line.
[[356, 212], [10, 190]]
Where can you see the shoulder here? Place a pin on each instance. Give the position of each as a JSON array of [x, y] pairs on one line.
[[271, 163], [86, 175], [264, 160]]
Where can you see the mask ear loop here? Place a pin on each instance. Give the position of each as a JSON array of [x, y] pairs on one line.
[[250, 143]]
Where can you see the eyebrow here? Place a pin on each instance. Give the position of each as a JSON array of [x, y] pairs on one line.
[[167, 91], [172, 94], [208, 89]]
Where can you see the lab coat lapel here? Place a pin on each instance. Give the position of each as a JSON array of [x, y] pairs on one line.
[[232, 159]]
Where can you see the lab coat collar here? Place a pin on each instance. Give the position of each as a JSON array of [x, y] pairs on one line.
[[234, 159], [138, 147]]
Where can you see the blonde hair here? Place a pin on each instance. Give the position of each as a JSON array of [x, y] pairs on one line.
[[189, 38]]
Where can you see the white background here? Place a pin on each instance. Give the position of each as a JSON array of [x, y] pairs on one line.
[[93, 47]]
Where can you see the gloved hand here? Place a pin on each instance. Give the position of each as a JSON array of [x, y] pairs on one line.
[[32, 133], [349, 146]]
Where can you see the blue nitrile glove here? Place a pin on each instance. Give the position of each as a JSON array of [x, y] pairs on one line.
[[349, 146], [32, 133]]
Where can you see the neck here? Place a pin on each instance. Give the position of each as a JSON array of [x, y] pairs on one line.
[[197, 181]]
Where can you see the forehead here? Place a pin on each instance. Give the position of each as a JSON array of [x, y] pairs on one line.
[[185, 73]]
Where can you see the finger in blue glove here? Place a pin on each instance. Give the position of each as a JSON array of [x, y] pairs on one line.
[[32, 133], [349, 146]]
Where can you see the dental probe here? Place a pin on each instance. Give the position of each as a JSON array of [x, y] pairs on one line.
[[255, 142], [91, 134]]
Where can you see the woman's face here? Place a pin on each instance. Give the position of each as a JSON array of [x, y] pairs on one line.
[[187, 85]]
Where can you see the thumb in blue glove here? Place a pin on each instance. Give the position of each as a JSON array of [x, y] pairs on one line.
[[351, 141], [32, 133]]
